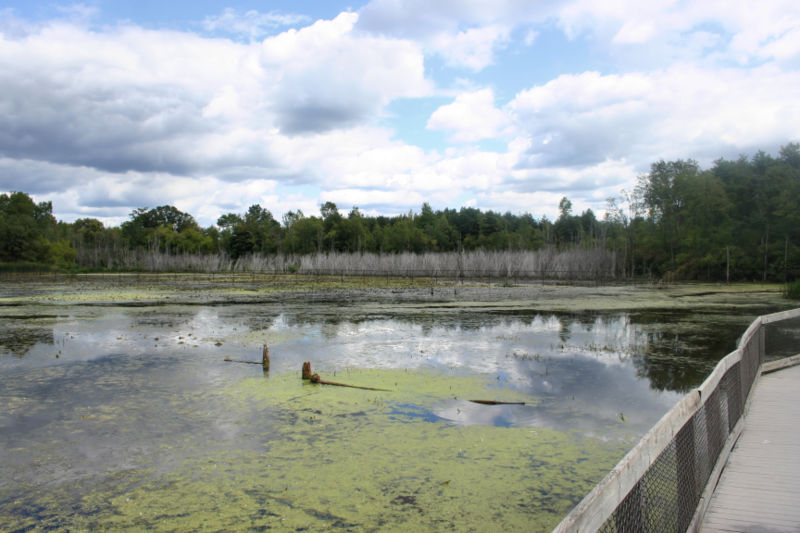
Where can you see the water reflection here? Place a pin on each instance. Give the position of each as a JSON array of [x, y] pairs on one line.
[[783, 338], [18, 341], [110, 395], [586, 371]]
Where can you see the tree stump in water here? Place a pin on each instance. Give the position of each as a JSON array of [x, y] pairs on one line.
[[307, 370], [265, 358]]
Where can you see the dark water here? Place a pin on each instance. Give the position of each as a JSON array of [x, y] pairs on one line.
[[100, 400]]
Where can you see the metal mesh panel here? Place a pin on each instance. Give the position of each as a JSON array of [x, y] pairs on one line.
[[703, 453], [751, 359], [731, 383], [666, 496], [714, 431], [651, 504]]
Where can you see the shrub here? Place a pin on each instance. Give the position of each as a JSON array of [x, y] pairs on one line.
[[793, 290]]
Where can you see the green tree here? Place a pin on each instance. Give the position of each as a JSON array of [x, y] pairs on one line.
[[255, 232], [663, 193], [88, 232], [157, 228], [567, 227], [305, 235], [331, 227], [23, 228]]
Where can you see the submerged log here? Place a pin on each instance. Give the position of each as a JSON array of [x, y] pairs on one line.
[[496, 402], [229, 360], [316, 379]]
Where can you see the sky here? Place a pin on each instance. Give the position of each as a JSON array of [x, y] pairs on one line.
[[107, 106]]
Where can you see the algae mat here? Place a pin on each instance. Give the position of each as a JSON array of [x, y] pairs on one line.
[[117, 411], [319, 457]]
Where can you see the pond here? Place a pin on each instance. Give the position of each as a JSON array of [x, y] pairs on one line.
[[126, 416]]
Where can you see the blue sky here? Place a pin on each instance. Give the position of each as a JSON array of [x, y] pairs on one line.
[[108, 106]]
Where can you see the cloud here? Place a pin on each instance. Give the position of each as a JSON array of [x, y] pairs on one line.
[[251, 24], [582, 120], [473, 48], [418, 18], [471, 117], [635, 32], [332, 78], [465, 34], [132, 99], [750, 33], [109, 118]]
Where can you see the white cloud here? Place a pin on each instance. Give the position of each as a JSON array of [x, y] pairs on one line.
[[583, 119], [750, 31], [530, 37], [331, 78], [346, 199], [465, 34], [473, 48], [680, 112], [132, 99], [635, 32], [471, 117], [420, 18], [784, 46], [106, 119], [129, 112], [251, 23]]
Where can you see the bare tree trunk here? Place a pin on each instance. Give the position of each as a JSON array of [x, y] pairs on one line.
[[766, 249], [728, 264]]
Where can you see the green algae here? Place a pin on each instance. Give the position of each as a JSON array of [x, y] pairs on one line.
[[424, 389], [369, 477], [324, 458], [189, 443], [366, 461], [436, 295]]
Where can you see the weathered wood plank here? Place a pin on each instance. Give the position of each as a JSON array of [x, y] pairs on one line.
[[760, 487]]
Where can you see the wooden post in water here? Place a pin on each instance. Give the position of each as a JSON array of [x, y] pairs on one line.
[[306, 370], [265, 358]]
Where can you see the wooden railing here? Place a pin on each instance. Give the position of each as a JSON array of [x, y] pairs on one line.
[[664, 483]]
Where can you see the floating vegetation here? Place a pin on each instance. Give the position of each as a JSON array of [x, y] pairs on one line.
[[120, 412], [351, 459]]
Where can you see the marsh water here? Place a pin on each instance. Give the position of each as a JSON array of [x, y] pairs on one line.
[[126, 416]]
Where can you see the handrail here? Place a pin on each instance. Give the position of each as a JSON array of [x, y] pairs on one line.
[[659, 484]]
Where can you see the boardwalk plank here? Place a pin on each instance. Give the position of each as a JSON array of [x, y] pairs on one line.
[[759, 490]]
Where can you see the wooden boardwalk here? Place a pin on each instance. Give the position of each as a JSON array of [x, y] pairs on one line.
[[759, 491]]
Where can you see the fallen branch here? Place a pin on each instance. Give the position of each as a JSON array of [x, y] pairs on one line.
[[264, 359], [316, 379], [496, 402]]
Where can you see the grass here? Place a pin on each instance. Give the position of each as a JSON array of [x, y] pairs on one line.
[[792, 290], [25, 267]]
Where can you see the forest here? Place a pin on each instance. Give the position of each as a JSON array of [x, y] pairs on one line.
[[738, 220]]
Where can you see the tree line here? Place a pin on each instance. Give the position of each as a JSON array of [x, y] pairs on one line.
[[738, 220]]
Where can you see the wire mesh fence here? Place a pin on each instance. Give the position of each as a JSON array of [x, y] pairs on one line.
[[677, 459]]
